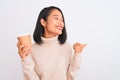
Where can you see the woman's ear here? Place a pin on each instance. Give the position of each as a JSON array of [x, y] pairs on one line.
[[43, 22]]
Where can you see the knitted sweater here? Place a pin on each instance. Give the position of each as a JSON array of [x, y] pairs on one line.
[[51, 61]]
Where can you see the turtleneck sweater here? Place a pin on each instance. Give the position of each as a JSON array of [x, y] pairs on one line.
[[51, 61]]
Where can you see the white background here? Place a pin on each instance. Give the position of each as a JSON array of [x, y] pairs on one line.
[[95, 22]]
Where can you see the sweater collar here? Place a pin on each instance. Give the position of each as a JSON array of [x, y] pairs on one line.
[[53, 40]]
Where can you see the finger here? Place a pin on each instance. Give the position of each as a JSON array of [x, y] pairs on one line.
[[21, 47], [25, 53], [18, 43], [25, 49], [84, 45], [74, 45]]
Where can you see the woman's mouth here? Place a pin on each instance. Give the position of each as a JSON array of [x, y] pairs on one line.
[[59, 27]]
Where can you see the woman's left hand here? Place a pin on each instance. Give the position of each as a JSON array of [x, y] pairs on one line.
[[78, 47]]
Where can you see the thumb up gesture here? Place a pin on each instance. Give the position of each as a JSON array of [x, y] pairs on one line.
[[78, 47]]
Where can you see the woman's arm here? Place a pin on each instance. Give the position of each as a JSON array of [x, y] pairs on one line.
[[28, 65], [74, 64], [29, 72]]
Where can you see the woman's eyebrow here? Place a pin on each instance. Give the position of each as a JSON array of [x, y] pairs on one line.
[[55, 15]]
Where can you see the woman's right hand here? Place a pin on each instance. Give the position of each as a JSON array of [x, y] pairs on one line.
[[23, 49]]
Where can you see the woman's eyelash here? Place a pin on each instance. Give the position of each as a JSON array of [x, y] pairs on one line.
[[56, 18]]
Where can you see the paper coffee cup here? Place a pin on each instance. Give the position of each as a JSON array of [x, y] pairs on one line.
[[25, 39]]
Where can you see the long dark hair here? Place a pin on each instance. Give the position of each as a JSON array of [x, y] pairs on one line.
[[39, 30]]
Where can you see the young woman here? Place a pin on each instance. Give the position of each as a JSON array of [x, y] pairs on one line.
[[51, 57]]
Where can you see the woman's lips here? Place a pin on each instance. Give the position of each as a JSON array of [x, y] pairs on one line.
[[59, 27]]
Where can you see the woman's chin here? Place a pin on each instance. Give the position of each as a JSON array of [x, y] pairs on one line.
[[60, 33]]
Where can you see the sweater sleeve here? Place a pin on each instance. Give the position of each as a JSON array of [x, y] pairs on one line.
[[74, 66], [29, 72]]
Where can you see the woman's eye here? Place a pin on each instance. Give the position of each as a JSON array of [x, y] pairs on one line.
[[56, 18]]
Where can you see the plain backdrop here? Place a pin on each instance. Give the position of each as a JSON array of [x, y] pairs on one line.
[[94, 22]]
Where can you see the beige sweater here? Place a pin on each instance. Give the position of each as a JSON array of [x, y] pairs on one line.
[[51, 61]]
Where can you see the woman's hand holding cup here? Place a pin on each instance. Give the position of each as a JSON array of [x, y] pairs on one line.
[[24, 45]]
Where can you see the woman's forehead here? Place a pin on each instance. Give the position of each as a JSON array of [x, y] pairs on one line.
[[55, 12]]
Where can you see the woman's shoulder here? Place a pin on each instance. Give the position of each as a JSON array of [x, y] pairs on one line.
[[34, 45], [67, 45], [68, 48], [35, 48]]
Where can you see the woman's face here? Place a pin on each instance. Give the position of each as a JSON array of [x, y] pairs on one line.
[[54, 24]]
